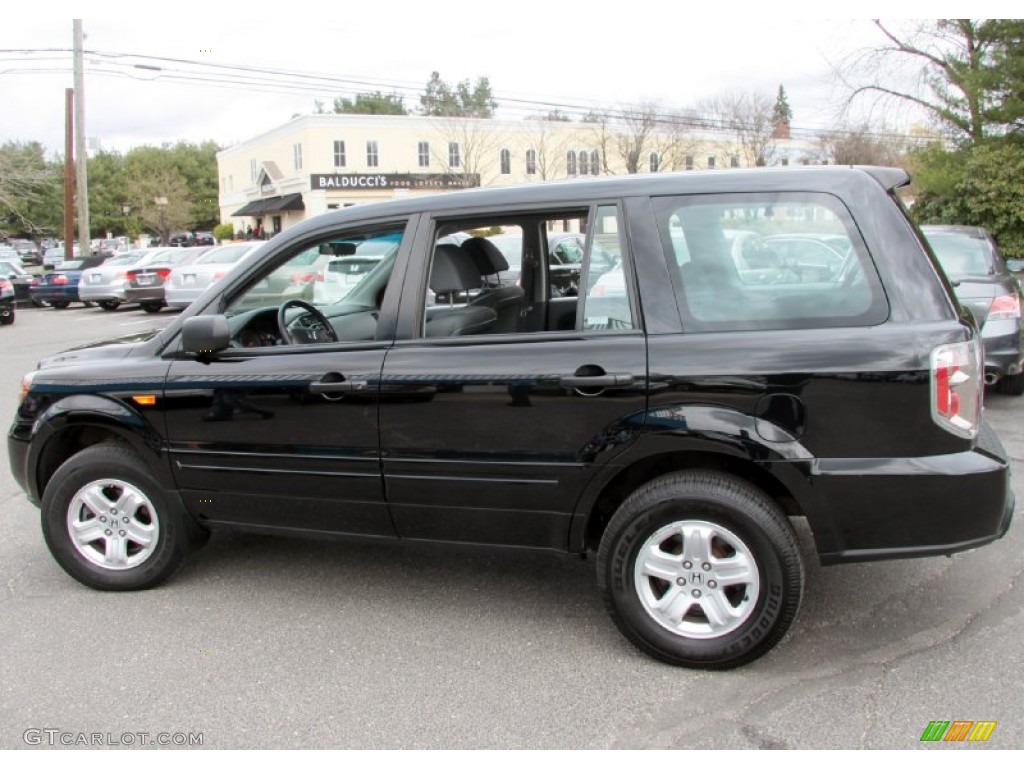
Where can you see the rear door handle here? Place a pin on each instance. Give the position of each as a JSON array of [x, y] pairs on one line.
[[599, 381]]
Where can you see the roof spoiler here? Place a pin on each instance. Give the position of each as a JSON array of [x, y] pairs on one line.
[[889, 178]]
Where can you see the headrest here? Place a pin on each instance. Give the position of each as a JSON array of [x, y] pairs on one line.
[[488, 258], [453, 270]]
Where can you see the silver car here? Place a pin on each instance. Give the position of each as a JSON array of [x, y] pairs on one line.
[[106, 283], [184, 284]]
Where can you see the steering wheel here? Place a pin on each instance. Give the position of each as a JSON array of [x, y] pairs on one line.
[[315, 326]]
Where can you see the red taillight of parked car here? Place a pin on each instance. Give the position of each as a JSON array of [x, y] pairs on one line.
[[1005, 308], [163, 273], [5, 284], [60, 280], [302, 279], [957, 387]]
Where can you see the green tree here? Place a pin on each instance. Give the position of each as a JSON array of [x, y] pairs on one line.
[[375, 103], [782, 115], [955, 70], [107, 193], [441, 99], [977, 185]]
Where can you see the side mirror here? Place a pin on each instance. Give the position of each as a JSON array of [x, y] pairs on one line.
[[205, 334]]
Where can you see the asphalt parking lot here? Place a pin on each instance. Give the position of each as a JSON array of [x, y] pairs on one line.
[[271, 642]]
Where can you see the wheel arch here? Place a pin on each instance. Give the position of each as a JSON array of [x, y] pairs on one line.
[[75, 423], [783, 481]]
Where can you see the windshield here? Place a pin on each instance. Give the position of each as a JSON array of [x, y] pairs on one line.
[[226, 255]]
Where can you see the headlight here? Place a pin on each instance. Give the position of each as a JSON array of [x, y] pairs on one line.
[[26, 384]]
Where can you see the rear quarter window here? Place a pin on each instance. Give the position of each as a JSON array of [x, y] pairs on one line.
[[768, 262]]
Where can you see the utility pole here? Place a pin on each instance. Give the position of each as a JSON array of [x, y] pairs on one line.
[[81, 157], [69, 173]]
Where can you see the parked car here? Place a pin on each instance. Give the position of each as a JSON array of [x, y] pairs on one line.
[[672, 438], [146, 283], [7, 253], [7, 302], [18, 276], [347, 265], [565, 256], [59, 287], [985, 286], [28, 251], [204, 238], [107, 283], [55, 256], [185, 284]]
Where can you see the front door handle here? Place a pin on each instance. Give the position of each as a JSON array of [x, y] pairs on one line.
[[335, 382]]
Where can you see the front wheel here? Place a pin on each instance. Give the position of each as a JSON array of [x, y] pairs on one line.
[[701, 569], [60, 304], [108, 524]]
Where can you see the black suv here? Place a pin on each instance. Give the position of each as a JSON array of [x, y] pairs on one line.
[[669, 419]]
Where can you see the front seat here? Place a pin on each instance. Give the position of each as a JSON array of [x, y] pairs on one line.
[[453, 273], [506, 300]]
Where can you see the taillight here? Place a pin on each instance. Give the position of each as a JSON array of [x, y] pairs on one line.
[[59, 280], [217, 276], [301, 279], [1005, 308], [163, 273], [5, 284], [957, 387]]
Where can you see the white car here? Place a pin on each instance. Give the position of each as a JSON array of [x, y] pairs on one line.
[[54, 257], [184, 284]]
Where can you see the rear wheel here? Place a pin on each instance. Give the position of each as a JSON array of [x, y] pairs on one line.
[[8, 319], [151, 307], [60, 304], [1011, 385], [701, 569], [110, 304]]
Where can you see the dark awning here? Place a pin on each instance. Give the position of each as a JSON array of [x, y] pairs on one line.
[[292, 202]]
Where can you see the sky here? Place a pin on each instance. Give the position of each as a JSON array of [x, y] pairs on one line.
[[567, 53]]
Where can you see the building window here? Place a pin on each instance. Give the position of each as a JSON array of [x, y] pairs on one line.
[[654, 162], [688, 162], [584, 164], [506, 161], [454, 157], [339, 154], [734, 162], [711, 162], [372, 157], [297, 156], [531, 162], [423, 154], [252, 169], [570, 163], [595, 163]]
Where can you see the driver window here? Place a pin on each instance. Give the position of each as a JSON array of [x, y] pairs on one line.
[[326, 290]]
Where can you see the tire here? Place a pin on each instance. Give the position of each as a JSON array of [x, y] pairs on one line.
[[151, 307], [60, 304], [8, 319], [86, 542], [691, 527], [110, 305], [1011, 385]]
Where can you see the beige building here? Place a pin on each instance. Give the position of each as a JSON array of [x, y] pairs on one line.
[[316, 163]]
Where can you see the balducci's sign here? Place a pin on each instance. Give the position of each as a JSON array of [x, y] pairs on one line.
[[392, 181]]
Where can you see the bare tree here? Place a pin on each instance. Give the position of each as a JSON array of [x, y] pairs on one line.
[[27, 182], [749, 119], [549, 139], [937, 66], [862, 145], [476, 144]]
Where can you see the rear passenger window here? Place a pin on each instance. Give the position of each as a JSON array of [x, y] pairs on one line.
[[529, 272], [771, 261]]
